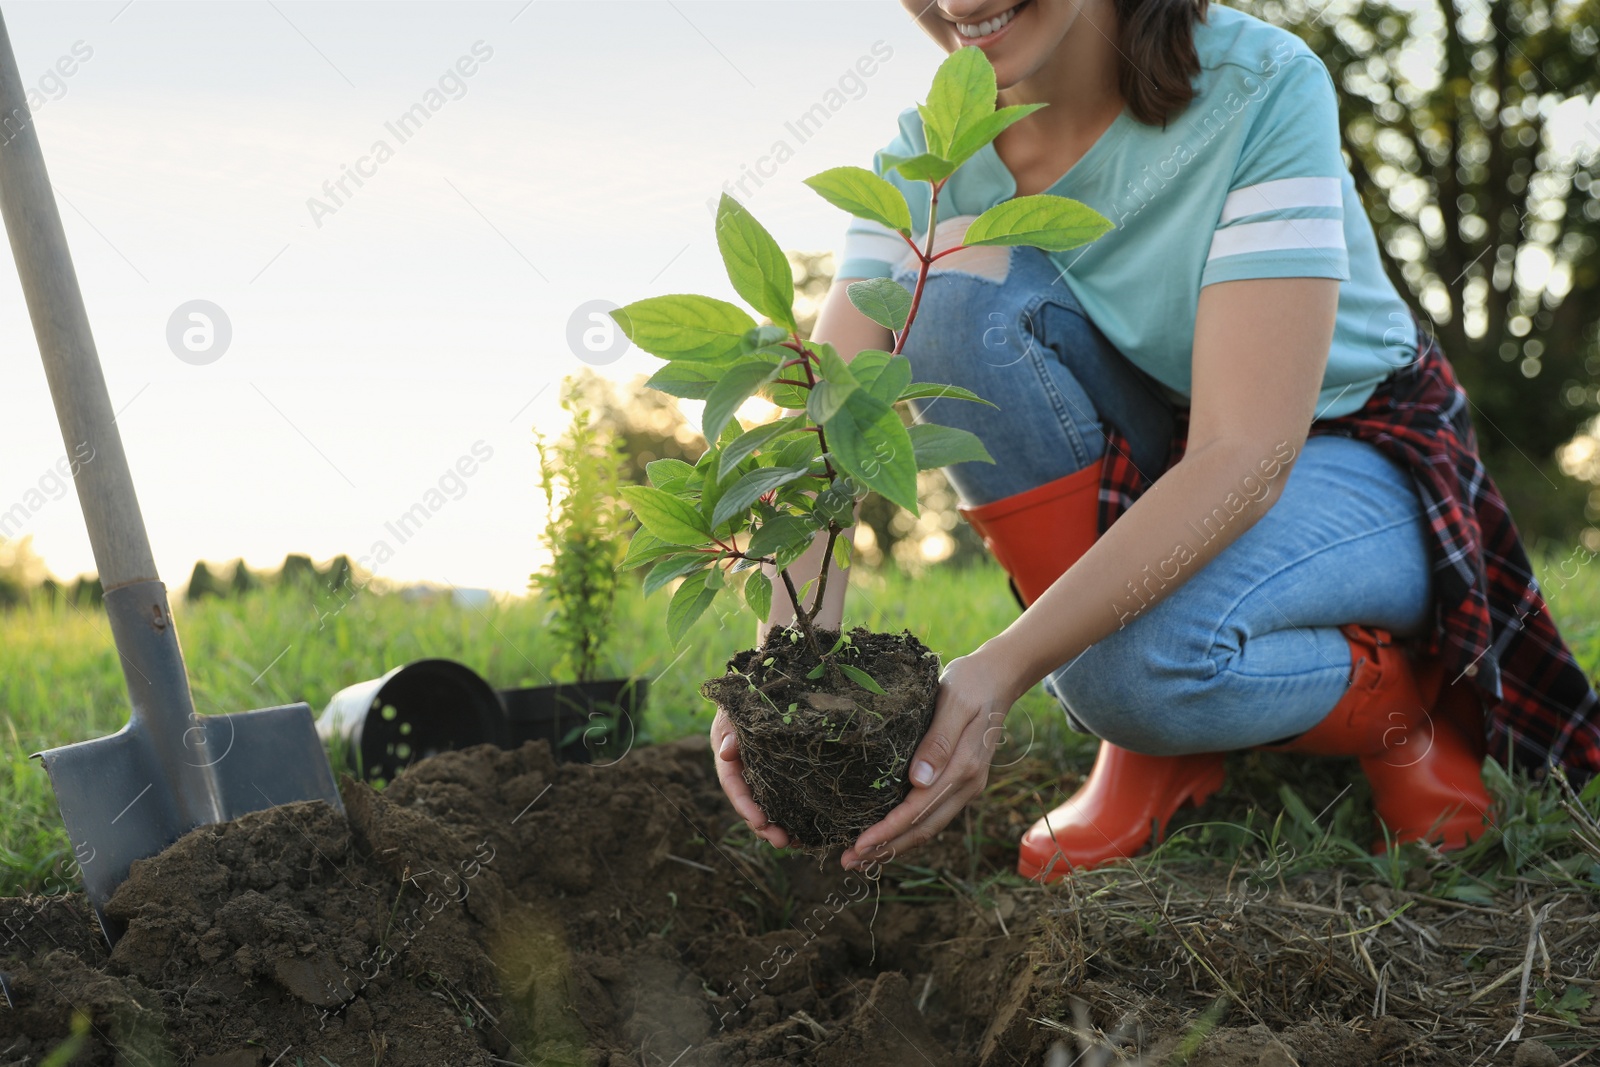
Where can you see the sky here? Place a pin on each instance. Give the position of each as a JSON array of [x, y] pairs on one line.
[[296, 362]]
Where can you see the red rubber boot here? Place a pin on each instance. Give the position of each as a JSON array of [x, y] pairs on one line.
[[1420, 743], [1036, 536], [1126, 801]]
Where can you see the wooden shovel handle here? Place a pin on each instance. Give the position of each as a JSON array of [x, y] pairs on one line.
[[71, 364]]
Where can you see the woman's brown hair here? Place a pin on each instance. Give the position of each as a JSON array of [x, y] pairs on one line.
[[1159, 62]]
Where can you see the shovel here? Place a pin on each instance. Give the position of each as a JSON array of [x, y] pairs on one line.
[[169, 770]]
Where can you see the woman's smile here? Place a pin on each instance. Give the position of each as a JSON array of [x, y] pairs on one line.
[[988, 30]]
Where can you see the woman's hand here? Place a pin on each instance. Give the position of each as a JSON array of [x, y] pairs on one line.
[[730, 773], [951, 766]]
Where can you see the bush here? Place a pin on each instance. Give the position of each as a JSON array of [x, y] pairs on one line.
[[585, 533]]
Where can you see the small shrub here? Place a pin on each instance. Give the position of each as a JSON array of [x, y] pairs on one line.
[[585, 534]]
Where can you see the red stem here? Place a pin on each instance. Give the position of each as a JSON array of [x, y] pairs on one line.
[[927, 257]]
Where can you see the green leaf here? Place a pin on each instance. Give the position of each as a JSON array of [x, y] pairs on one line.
[[841, 552], [963, 93], [757, 267], [925, 167], [744, 492], [730, 433], [739, 382], [675, 567], [883, 300], [932, 390], [644, 548], [987, 128], [786, 531], [764, 336], [692, 381], [827, 398], [865, 195], [803, 449], [830, 365], [869, 442], [861, 678], [753, 438], [887, 381], [758, 594], [1053, 223], [690, 602], [711, 486], [836, 504], [786, 556], [668, 517], [867, 364], [685, 326], [788, 397], [668, 475], [940, 446]]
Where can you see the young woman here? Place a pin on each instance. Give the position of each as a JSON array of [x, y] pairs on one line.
[[1234, 327]]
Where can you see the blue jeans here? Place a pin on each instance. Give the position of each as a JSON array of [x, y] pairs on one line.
[[1247, 651]]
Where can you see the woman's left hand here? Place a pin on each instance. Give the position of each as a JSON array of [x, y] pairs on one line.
[[951, 766]]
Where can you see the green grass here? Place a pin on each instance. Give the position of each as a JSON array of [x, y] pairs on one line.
[[60, 681]]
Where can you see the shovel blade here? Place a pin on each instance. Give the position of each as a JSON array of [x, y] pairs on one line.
[[121, 801], [269, 757], [115, 808]]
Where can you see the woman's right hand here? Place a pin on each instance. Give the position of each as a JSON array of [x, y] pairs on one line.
[[730, 773]]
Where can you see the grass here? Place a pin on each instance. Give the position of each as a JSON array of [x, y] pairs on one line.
[[60, 682]]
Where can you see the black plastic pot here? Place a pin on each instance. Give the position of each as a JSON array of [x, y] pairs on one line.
[[418, 710], [585, 722]]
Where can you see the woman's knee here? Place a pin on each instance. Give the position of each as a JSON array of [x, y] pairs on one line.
[[1132, 690]]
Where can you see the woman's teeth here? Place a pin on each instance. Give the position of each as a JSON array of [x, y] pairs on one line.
[[987, 26]]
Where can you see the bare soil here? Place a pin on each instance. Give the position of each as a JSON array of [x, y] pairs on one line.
[[494, 907], [825, 755]]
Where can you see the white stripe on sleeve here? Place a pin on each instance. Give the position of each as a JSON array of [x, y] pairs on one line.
[[1281, 195], [1283, 235], [866, 239]]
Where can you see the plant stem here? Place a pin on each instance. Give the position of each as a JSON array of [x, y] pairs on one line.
[[822, 579], [926, 256], [822, 445], [800, 615]]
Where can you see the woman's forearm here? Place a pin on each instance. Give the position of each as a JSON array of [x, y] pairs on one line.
[[806, 569], [849, 331], [1194, 511]]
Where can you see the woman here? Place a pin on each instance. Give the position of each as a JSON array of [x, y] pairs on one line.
[[1235, 326]]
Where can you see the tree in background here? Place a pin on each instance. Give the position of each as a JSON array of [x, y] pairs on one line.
[[21, 571], [1472, 138]]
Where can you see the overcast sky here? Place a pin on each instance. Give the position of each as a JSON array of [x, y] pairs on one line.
[[382, 330]]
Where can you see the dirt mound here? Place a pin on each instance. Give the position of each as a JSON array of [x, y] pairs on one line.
[[494, 907]]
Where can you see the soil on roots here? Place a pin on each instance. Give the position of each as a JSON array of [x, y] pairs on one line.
[[494, 907], [825, 756]]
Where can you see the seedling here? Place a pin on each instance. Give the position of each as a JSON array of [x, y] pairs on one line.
[[761, 494]]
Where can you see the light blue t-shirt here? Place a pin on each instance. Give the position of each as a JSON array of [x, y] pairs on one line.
[[1246, 182]]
